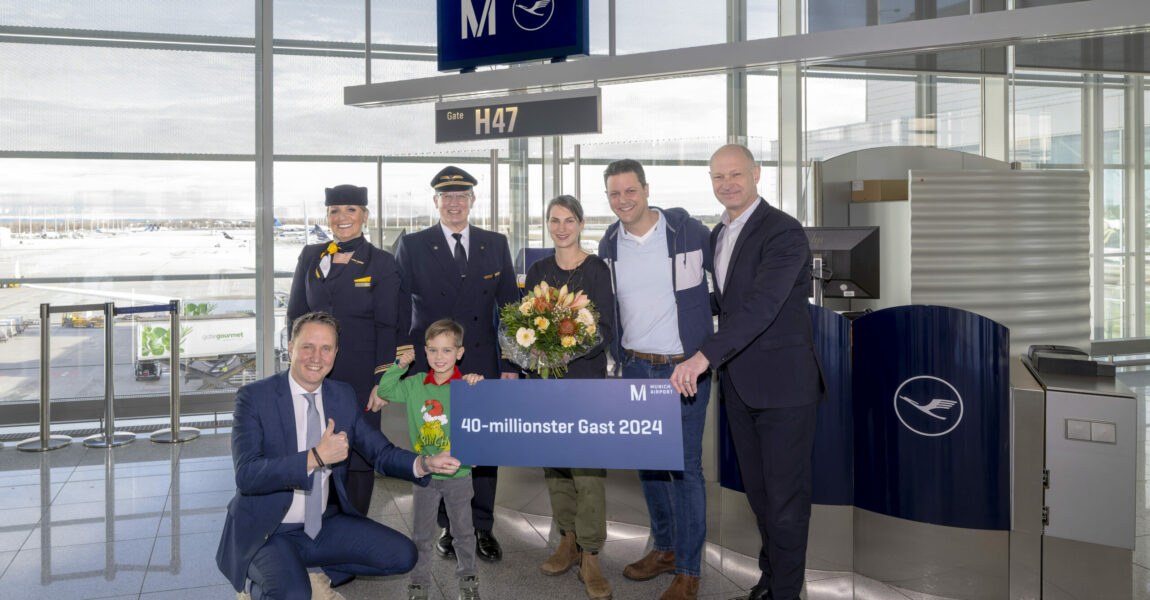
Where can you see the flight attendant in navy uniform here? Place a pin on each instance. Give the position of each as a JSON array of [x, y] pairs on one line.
[[457, 271], [359, 285]]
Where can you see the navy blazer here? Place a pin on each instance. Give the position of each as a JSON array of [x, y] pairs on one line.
[[765, 342], [269, 468], [367, 298], [428, 271]]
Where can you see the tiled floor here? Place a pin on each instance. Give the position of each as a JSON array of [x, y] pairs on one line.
[[142, 521]]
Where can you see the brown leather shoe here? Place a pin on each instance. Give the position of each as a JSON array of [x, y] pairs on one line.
[[565, 557], [655, 563], [592, 577], [683, 587]]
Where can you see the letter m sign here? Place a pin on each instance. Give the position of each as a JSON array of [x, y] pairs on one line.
[[638, 393], [474, 25]]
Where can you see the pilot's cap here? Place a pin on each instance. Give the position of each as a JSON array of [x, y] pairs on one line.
[[341, 195], [453, 179]]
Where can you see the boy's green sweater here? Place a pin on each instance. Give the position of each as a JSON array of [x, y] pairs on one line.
[[428, 412]]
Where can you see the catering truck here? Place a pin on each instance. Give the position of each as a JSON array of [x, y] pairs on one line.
[[218, 350]]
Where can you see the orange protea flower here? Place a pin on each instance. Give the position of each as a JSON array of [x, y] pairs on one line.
[[541, 305], [567, 327]]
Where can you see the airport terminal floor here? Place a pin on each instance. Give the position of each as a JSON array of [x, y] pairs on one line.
[[143, 520]]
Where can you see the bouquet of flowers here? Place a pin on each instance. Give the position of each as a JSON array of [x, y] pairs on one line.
[[548, 329]]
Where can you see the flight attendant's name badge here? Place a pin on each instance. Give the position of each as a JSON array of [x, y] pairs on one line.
[[363, 282]]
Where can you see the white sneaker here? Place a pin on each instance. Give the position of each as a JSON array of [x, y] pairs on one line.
[[321, 588]]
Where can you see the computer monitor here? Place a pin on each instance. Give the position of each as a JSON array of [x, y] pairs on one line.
[[850, 257]]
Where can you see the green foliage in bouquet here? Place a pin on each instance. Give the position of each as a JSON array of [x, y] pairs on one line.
[[548, 329]]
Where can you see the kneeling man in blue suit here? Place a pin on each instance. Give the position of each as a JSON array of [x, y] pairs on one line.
[[290, 529]]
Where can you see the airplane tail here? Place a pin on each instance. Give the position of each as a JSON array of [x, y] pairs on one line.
[[319, 233]]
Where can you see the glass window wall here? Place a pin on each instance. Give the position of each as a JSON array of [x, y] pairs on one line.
[[127, 164]]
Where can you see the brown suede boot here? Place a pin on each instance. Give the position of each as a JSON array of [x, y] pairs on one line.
[[565, 557], [683, 587], [655, 563], [592, 577]]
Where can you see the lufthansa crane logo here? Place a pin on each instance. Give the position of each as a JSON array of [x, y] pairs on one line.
[[928, 405], [532, 15]]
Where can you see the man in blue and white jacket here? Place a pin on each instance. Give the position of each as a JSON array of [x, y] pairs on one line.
[[658, 259]]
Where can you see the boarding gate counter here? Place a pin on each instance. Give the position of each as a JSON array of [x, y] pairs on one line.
[[948, 468]]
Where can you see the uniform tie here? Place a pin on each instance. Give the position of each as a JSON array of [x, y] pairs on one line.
[[313, 502], [324, 266], [460, 254]]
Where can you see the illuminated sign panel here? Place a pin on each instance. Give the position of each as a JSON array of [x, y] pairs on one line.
[[523, 115], [488, 32]]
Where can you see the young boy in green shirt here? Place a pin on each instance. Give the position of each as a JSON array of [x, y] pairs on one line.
[[428, 400]]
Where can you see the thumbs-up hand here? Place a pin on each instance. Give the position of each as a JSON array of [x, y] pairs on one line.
[[332, 446]]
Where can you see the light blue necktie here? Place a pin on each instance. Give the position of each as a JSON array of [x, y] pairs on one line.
[[313, 502]]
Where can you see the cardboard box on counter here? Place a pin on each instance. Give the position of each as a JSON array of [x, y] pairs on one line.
[[879, 190]]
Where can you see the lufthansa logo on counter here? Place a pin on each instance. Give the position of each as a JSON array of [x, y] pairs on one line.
[[532, 15], [928, 406]]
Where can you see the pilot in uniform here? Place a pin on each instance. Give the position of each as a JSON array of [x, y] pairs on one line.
[[359, 285], [457, 271]]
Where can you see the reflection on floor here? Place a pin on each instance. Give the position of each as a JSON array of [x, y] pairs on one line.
[[143, 521]]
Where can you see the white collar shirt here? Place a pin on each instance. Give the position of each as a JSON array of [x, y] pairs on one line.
[[295, 513], [725, 245], [464, 239]]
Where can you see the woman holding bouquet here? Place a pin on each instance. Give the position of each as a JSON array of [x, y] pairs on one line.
[[578, 497]]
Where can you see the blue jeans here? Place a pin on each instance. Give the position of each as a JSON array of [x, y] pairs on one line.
[[677, 500]]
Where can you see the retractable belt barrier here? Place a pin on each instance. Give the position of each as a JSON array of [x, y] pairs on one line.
[[109, 437]]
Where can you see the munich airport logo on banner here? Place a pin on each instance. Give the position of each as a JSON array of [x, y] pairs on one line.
[[528, 15], [928, 405]]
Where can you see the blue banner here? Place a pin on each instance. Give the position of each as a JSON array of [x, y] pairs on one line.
[[590, 423], [931, 413], [487, 32]]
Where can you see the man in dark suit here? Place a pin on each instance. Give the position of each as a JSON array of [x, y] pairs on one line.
[[457, 271], [770, 378], [291, 526]]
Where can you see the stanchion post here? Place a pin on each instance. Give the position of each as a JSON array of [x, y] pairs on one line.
[[109, 438], [45, 441], [174, 434]]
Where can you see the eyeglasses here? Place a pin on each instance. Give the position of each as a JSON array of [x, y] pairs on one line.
[[454, 197]]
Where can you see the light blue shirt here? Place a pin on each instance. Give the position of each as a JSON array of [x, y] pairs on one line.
[[646, 292]]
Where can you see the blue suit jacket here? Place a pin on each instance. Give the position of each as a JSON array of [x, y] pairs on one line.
[[269, 468], [765, 343], [428, 271]]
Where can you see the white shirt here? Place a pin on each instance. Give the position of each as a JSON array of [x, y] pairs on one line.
[[464, 239], [725, 245], [646, 292], [299, 407]]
